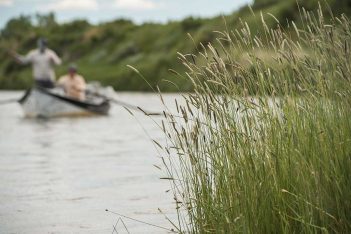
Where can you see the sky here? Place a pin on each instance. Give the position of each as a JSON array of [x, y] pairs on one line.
[[96, 11]]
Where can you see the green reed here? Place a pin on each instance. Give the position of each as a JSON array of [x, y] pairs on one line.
[[264, 142]]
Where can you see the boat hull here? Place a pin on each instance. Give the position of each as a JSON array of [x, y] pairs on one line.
[[39, 102]]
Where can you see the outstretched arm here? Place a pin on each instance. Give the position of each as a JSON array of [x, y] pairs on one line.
[[19, 58]]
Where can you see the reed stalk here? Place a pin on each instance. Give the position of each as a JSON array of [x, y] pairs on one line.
[[264, 145]]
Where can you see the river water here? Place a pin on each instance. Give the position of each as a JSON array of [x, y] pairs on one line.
[[59, 175]]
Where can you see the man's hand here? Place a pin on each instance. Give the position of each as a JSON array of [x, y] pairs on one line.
[[12, 53]]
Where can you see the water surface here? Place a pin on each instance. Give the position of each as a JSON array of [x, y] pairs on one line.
[[59, 175]]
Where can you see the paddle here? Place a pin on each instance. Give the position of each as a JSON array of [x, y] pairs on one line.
[[125, 104], [130, 106]]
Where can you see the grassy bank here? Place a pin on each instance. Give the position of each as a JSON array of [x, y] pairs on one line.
[[103, 51], [264, 145]]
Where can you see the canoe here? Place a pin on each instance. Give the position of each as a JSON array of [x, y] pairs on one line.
[[41, 102]]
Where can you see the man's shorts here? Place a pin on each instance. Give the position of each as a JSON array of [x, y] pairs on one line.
[[48, 84]]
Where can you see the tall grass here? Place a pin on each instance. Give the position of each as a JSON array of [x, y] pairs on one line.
[[264, 145]]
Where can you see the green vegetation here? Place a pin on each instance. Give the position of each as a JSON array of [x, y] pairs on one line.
[[103, 51], [265, 146]]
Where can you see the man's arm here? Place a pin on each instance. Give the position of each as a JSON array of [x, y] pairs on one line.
[[21, 59], [55, 59], [61, 81]]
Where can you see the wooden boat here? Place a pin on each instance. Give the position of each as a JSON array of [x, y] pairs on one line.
[[41, 102]]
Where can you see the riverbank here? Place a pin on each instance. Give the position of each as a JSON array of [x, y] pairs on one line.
[[103, 51]]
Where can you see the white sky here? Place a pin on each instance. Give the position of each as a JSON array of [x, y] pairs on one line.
[[139, 11]]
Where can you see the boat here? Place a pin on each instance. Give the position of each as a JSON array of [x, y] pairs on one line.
[[47, 103]]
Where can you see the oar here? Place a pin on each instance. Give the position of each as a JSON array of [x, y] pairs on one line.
[[126, 105], [130, 106], [8, 101]]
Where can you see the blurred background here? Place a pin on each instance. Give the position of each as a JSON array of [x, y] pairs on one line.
[[102, 37]]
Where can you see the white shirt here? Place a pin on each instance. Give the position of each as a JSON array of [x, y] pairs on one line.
[[42, 63]]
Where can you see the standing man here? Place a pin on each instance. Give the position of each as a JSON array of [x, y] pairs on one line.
[[43, 60]]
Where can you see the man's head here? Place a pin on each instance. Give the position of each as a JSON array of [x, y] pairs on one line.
[[42, 44], [72, 69]]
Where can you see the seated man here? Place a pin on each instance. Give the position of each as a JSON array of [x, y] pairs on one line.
[[73, 84]]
